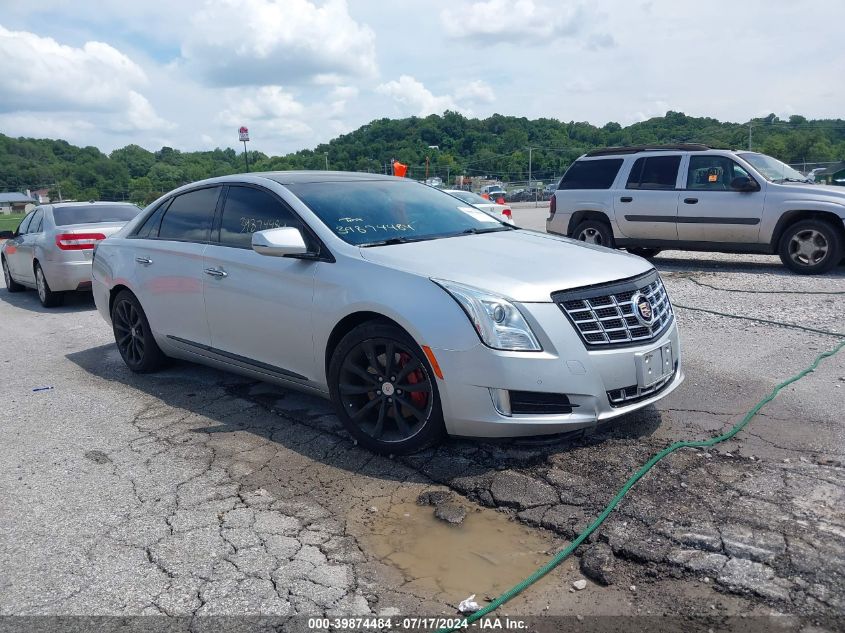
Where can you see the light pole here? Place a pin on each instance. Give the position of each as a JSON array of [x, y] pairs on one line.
[[326, 154]]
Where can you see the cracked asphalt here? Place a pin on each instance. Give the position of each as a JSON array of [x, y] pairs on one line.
[[192, 492]]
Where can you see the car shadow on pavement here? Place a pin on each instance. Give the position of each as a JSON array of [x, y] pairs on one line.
[[307, 424], [28, 300], [773, 267]]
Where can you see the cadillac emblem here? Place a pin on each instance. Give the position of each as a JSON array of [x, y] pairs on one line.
[[642, 309]]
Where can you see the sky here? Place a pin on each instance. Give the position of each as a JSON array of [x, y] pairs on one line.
[[188, 73]]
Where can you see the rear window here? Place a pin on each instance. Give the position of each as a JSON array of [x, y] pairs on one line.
[[188, 218], [94, 213], [591, 174], [654, 172]]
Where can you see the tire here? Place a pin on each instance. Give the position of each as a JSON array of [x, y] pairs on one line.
[[48, 298], [648, 253], [360, 371], [11, 284], [133, 336], [594, 232], [810, 247]]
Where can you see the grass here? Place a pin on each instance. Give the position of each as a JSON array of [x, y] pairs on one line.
[[10, 222]]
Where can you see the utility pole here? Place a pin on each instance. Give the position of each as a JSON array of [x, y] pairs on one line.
[[530, 149], [327, 160], [749, 136]]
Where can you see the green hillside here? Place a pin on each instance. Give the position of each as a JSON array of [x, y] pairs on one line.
[[496, 147]]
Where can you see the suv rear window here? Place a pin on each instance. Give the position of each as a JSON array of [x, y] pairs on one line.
[[654, 172], [591, 174], [94, 213]]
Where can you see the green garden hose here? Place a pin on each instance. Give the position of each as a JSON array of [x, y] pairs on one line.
[[564, 554]]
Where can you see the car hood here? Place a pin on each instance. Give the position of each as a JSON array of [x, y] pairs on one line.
[[816, 192], [522, 265]]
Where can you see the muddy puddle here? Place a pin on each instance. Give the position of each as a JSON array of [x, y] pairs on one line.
[[485, 555]]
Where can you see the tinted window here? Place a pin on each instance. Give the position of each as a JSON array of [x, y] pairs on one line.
[[591, 174], [654, 172], [188, 218], [94, 213], [712, 173], [248, 210], [370, 212], [35, 223], [150, 226], [22, 227]]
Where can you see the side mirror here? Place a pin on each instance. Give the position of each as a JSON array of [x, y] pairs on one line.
[[6, 235], [744, 183], [281, 242]]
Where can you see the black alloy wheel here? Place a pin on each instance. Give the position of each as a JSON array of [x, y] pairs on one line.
[[135, 341], [385, 391]]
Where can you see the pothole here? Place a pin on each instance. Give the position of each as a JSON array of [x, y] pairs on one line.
[[485, 555]]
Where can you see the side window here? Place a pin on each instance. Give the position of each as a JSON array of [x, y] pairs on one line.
[[188, 218], [591, 174], [712, 173], [151, 225], [35, 223], [248, 210], [24, 225], [654, 172]]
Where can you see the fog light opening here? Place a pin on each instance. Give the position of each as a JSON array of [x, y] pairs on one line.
[[501, 401]]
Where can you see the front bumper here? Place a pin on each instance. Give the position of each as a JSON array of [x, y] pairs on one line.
[[564, 367]]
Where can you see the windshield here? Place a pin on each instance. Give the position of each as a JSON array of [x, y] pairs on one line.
[[378, 211], [469, 196], [772, 169], [94, 213]]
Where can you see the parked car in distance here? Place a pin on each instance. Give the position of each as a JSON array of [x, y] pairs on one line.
[[549, 190], [52, 247], [500, 211], [494, 192], [390, 298], [692, 197]]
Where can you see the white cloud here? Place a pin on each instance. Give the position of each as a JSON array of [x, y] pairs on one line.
[[524, 21], [261, 104], [416, 97], [476, 91], [42, 75], [254, 42]]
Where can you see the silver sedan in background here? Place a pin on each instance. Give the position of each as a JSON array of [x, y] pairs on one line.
[[51, 249], [416, 314]]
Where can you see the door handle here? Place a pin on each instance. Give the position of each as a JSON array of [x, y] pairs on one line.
[[690, 200], [626, 199], [216, 272], [146, 261]]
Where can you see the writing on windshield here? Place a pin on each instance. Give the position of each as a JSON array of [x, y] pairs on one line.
[[377, 211]]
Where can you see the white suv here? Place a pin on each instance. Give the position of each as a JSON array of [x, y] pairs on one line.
[[691, 197]]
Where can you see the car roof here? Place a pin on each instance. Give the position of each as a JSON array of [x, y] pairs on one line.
[[299, 177], [87, 204]]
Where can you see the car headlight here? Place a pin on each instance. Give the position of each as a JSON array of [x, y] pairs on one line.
[[499, 323]]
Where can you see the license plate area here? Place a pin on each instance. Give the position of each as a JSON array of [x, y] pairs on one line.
[[654, 365]]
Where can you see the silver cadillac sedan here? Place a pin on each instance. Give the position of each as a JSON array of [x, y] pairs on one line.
[[416, 314]]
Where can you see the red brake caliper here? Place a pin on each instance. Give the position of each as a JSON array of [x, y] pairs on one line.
[[419, 398]]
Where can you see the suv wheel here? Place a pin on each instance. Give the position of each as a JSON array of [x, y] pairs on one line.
[[384, 390], [11, 284], [594, 232], [48, 298], [133, 336], [644, 252], [810, 247]]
